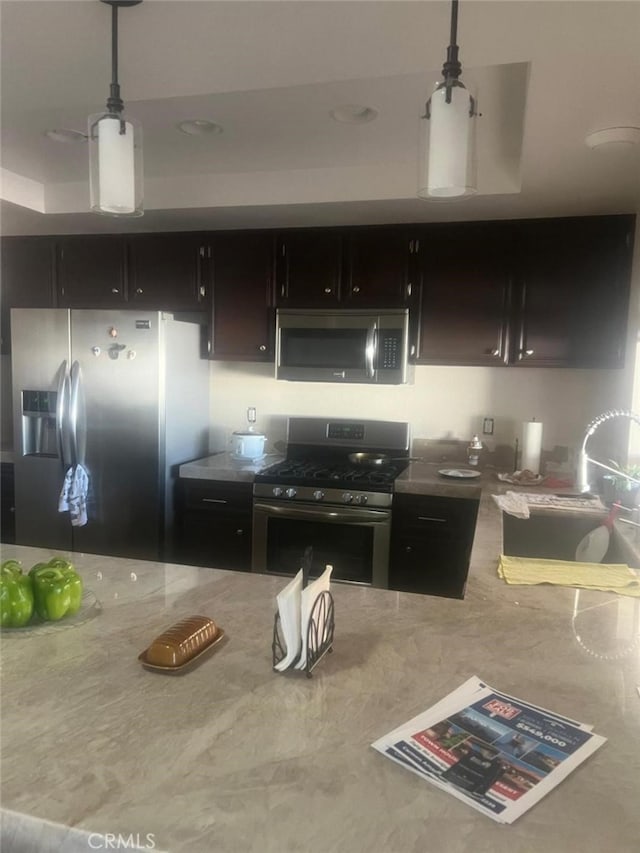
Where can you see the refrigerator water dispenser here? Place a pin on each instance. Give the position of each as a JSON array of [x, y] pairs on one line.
[[39, 436]]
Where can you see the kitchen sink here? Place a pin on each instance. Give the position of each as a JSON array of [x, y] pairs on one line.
[[552, 537]]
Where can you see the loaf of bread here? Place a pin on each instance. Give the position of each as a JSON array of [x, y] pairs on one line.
[[182, 641]]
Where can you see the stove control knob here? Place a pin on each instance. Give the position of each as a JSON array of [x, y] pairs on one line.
[[347, 497], [291, 493], [361, 499], [277, 492], [318, 494]]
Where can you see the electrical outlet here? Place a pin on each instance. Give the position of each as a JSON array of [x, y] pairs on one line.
[[487, 426]]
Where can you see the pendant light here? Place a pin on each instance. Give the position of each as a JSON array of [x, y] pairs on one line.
[[447, 165], [115, 145]]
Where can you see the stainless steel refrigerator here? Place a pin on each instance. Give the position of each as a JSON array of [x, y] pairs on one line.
[[124, 394]]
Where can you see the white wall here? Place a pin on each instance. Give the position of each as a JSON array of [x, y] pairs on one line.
[[442, 402]]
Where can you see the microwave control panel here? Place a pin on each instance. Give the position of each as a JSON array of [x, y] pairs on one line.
[[390, 349]]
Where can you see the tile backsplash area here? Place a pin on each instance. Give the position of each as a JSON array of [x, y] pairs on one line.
[[443, 403]]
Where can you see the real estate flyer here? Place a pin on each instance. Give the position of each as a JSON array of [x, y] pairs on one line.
[[493, 751]]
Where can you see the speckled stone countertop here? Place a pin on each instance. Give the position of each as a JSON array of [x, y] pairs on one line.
[[234, 757], [224, 467]]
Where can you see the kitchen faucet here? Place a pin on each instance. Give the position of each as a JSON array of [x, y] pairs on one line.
[[582, 482]]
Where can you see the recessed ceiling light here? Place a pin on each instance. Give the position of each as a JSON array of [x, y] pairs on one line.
[[354, 114], [64, 135], [614, 136], [199, 126]]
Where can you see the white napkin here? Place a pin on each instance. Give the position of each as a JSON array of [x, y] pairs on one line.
[[308, 599], [513, 503], [289, 608]]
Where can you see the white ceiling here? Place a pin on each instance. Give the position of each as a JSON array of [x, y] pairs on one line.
[[546, 73]]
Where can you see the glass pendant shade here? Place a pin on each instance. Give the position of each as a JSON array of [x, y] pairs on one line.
[[115, 163], [446, 154]]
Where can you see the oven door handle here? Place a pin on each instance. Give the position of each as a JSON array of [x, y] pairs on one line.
[[352, 516]]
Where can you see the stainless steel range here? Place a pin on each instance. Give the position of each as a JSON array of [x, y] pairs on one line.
[[317, 497]]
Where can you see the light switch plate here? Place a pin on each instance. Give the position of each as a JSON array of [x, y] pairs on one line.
[[487, 426]]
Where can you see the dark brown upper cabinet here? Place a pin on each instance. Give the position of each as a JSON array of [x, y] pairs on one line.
[[528, 293], [572, 292], [466, 282], [27, 265], [377, 268], [242, 321], [308, 268], [90, 271], [168, 272]]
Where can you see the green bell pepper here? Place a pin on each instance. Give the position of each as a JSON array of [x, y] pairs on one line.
[[57, 589], [16, 595]]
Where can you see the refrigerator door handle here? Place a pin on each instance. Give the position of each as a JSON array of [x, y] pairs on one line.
[[61, 415], [77, 420]]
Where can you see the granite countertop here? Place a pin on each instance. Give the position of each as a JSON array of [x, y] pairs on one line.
[[234, 757], [224, 467]]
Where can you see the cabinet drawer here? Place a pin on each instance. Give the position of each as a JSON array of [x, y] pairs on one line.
[[438, 516], [216, 497]]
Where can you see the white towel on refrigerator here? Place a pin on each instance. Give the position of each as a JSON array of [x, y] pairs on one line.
[[73, 497]]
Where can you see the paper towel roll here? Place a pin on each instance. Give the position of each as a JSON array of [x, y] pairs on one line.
[[531, 446]]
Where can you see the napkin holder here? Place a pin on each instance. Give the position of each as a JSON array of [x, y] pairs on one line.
[[319, 630]]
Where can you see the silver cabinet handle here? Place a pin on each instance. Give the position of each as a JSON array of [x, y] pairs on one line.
[[213, 501], [139, 290], [115, 290], [525, 353], [328, 290], [202, 290], [356, 289], [432, 518], [495, 352], [239, 532], [262, 348]]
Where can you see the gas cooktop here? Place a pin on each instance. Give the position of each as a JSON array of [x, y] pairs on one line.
[[331, 474]]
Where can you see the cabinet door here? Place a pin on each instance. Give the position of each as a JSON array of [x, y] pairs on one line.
[[308, 268], [91, 271], [573, 292], [377, 268], [213, 524], [167, 272], [466, 287], [27, 278], [431, 541], [242, 318], [7, 504]]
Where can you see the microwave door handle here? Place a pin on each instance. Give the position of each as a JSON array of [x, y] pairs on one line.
[[371, 350]]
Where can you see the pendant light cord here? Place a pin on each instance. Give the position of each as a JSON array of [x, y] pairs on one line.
[[114, 102], [452, 68]]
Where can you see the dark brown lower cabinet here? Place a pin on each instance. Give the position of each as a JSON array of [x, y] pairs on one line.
[[7, 505], [431, 540], [213, 524]]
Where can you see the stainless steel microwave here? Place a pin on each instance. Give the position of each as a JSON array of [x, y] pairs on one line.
[[343, 346]]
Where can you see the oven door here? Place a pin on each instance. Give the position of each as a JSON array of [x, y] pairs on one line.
[[354, 541]]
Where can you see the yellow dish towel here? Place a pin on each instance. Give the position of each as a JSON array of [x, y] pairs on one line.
[[613, 577]]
